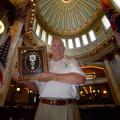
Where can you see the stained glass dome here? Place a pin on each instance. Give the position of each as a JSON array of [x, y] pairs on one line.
[[67, 17]]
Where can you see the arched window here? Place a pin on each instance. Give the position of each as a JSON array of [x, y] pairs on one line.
[[49, 39], [84, 39], [43, 35], [70, 43], [77, 42], [105, 22], [92, 35], [64, 42], [117, 3], [38, 30]]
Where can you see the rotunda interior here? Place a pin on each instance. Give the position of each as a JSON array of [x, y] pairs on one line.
[[90, 32]]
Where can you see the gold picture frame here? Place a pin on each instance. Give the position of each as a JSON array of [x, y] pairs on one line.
[[32, 61]]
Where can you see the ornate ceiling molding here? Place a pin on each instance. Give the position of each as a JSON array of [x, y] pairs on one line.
[[98, 52]]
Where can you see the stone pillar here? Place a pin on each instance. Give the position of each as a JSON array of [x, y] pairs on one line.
[[12, 56], [117, 57], [114, 84]]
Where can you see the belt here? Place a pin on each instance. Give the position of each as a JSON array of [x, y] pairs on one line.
[[57, 102]]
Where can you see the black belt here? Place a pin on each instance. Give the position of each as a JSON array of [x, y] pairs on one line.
[[57, 102]]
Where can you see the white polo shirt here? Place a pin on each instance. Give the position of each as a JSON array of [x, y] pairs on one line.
[[58, 89]]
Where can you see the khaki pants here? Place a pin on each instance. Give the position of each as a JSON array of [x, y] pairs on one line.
[[57, 112]]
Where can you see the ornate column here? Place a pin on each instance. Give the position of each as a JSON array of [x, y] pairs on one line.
[[12, 56], [117, 57], [114, 84], [113, 17], [16, 41]]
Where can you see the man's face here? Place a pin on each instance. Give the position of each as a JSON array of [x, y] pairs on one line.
[[57, 49]]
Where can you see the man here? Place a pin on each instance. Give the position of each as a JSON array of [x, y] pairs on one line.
[[58, 87]]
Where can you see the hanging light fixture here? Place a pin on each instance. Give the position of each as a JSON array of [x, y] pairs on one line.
[[1, 27]]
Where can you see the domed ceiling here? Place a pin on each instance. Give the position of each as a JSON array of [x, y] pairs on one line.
[[67, 17]]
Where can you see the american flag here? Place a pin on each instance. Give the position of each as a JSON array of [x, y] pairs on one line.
[[109, 13], [4, 48]]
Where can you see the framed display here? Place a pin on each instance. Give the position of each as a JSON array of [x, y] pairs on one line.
[[31, 61]]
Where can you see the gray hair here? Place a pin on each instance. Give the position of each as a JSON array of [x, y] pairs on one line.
[[58, 38]]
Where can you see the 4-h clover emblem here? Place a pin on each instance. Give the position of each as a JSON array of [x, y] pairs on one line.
[[67, 65]]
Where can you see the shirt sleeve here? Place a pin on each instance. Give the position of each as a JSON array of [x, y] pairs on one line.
[[36, 82]]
